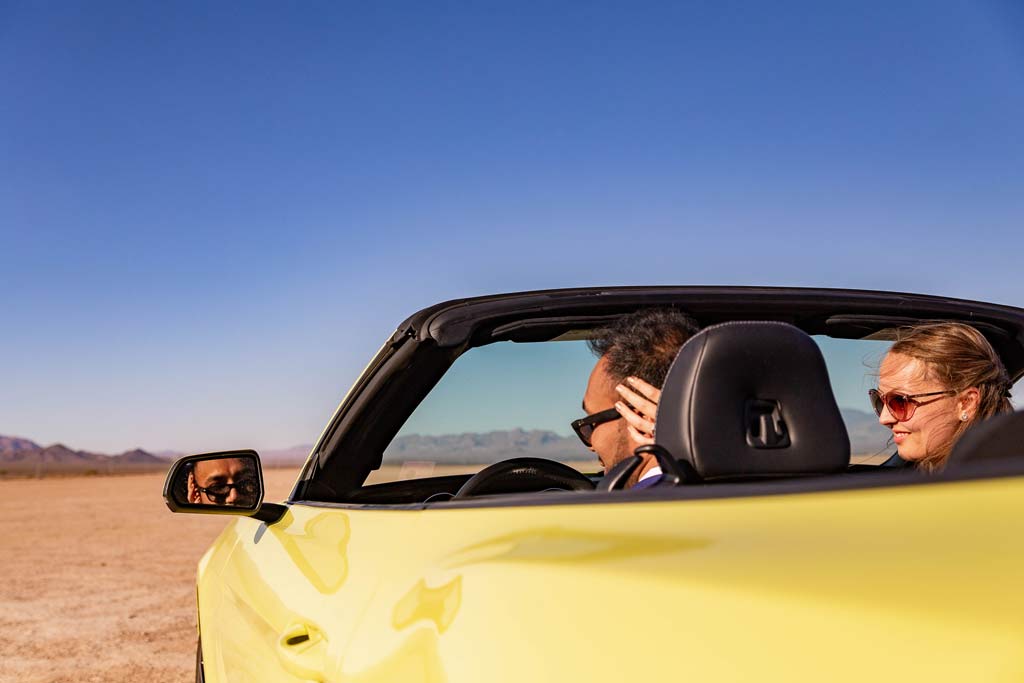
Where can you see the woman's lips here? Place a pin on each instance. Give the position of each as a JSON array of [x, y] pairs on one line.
[[898, 437]]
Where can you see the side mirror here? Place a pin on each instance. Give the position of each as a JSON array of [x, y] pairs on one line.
[[225, 483]]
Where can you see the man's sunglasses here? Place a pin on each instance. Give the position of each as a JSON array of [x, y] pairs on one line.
[[901, 406], [219, 493], [585, 426]]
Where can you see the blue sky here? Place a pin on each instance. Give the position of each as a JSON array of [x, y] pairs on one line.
[[211, 215]]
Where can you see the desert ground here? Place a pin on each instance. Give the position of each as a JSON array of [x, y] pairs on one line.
[[97, 579]]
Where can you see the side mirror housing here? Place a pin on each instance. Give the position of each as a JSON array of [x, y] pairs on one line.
[[223, 483]]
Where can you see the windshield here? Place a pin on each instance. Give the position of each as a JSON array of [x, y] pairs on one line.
[[508, 400]]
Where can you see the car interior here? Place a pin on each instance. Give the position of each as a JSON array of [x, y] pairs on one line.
[[749, 406]]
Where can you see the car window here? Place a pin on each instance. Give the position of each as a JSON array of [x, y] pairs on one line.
[[853, 369], [501, 401], [509, 400]]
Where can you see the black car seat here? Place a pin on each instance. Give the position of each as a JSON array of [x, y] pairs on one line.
[[748, 400], [996, 438]]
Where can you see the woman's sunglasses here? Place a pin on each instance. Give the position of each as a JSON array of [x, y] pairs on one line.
[[585, 426], [901, 406]]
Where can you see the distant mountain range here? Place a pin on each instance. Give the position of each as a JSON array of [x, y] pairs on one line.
[[23, 456], [866, 437], [296, 455], [474, 447]]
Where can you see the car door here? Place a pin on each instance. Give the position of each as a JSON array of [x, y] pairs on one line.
[[810, 586], [280, 602]]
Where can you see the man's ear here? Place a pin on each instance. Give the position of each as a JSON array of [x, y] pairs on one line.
[[193, 491]]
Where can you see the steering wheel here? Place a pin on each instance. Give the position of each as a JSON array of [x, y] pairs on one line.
[[522, 475]]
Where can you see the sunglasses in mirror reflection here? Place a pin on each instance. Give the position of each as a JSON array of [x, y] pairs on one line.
[[221, 481]]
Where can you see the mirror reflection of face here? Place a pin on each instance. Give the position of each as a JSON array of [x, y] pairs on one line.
[[223, 481]]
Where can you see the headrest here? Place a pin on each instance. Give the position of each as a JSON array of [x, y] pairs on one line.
[[1001, 436], [751, 399]]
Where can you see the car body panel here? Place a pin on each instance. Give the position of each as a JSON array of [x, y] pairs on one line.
[[913, 582]]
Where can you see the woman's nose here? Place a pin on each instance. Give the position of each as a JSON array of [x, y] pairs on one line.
[[885, 417]]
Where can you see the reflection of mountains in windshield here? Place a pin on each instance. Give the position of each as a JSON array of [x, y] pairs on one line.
[[866, 437], [487, 447]]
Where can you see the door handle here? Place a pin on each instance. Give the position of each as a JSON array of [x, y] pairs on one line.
[[301, 648]]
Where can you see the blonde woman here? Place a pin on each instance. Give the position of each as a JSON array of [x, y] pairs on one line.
[[935, 382]]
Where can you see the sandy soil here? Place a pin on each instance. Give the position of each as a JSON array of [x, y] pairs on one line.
[[97, 579]]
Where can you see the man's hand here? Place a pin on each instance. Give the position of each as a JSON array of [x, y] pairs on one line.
[[638, 407]]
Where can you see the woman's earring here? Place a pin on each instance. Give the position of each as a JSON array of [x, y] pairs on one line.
[[963, 416]]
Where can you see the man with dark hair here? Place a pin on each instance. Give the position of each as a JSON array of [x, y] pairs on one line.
[[634, 355], [222, 481]]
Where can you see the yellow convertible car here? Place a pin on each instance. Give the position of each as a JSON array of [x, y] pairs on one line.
[[449, 526]]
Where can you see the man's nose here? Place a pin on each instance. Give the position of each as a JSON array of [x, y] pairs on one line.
[[232, 495]]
